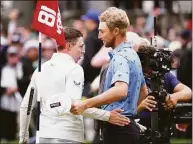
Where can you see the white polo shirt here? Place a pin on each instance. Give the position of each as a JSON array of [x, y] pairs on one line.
[[58, 75]]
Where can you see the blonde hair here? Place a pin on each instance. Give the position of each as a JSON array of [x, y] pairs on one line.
[[115, 17]]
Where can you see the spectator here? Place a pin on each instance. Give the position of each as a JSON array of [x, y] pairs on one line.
[[184, 72], [17, 41], [26, 33], [12, 25], [185, 38], [11, 98], [79, 25], [92, 46], [30, 63], [140, 25], [174, 45], [49, 47]]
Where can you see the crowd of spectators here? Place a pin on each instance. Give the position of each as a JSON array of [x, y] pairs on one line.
[[19, 58]]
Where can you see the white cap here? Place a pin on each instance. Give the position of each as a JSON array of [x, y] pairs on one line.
[[31, 44], [175, 45], [12, 50], [134, 38], [49, 44]]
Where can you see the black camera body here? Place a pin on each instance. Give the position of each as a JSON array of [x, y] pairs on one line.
[[155, 64]]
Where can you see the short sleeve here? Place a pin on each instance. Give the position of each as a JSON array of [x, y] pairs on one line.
[[171, 81], [120, 69], [142, 79]]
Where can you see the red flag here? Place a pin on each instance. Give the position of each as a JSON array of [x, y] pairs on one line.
[[47, 20]]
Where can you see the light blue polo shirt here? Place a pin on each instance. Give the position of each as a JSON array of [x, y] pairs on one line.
[[125, 66]]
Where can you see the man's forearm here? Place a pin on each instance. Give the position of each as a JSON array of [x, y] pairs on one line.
[[97, 114], [143, 94], [139, 108], [184, 95], [109, 96]]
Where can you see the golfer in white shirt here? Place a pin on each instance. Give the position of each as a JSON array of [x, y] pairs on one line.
[[59, 84]]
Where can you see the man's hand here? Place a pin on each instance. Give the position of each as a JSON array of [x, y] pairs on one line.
[[148, 103], [117, 119], [78, 108], [171, 102], [10, 91]]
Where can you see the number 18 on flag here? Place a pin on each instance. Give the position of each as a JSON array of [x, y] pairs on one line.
[[47, 20]]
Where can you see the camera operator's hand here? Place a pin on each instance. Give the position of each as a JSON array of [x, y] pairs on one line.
[[148, 103], [171, 102]]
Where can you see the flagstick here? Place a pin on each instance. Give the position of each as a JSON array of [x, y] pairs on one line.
[[38, 96], [151, 41], [155, 32]]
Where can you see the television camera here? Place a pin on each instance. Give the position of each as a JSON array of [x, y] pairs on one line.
[[156, 63]]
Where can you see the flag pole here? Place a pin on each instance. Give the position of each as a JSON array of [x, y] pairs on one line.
[[38, 96], [40, 52], [155, 32]]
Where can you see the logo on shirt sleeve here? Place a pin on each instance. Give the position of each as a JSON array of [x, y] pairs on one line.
[[77, 83], [53, 105]]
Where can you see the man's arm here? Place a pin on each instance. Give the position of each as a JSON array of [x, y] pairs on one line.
[[119, 84], [143, 101], [113, 117], [143, 93], [118, 90], [116, 93], [182, 93], [74, 89], [24, 119], [75, 83]]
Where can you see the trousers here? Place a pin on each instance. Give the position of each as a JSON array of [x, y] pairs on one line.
[[113, 134], [57, 140]]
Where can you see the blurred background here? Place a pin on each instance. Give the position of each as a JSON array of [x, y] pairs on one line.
[[19, 49]]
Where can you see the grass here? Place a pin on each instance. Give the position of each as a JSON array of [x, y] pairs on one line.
[[181, 141], [173, 141]]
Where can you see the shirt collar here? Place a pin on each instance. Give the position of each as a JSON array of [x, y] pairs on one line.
[[61, 58], [119, 47]]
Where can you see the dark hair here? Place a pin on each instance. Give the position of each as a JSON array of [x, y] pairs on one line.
[[71, 36], [146, 49]]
